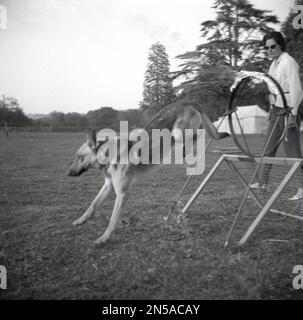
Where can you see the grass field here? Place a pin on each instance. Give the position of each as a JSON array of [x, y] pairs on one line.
[[146, 258]]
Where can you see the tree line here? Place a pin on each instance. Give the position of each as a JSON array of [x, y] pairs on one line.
[[104, 117], [231, 42]]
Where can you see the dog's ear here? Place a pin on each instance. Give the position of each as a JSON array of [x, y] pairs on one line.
[[90, 136]]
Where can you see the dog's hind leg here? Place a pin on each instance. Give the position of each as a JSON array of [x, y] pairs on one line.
[[105, 191]]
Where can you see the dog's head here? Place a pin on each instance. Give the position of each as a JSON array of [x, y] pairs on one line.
[[86, 156]]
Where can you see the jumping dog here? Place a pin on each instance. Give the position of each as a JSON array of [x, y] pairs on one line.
[[120, 178]]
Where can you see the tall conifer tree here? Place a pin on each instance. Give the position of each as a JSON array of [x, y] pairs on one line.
[[158, 89]]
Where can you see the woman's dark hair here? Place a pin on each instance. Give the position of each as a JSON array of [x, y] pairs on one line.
[[278, 37]]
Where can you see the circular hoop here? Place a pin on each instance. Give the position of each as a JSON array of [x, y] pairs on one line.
[[271, 82]]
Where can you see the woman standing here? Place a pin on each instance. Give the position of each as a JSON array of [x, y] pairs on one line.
[[285, 70]]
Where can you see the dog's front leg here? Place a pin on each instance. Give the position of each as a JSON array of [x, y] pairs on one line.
[[105, 191], [118, 208]]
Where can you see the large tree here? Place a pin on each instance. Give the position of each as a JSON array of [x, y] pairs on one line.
[[234, 37], [158, 89], [233, 41]]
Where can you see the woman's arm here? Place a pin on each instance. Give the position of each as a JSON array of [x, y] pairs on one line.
[[295, 89]]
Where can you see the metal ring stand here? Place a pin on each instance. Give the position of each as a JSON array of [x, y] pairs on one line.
[[232, 109], [254, 159]]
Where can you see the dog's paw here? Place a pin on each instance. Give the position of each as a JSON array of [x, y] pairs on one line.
[[101, 240], [79, 222]]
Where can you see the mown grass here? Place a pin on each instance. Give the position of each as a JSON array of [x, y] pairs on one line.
[[146, 258]]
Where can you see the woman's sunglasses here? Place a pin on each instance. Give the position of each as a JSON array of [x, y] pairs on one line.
[[270, 47]]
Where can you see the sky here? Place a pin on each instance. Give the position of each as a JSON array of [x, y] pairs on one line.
[[81, 55]]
